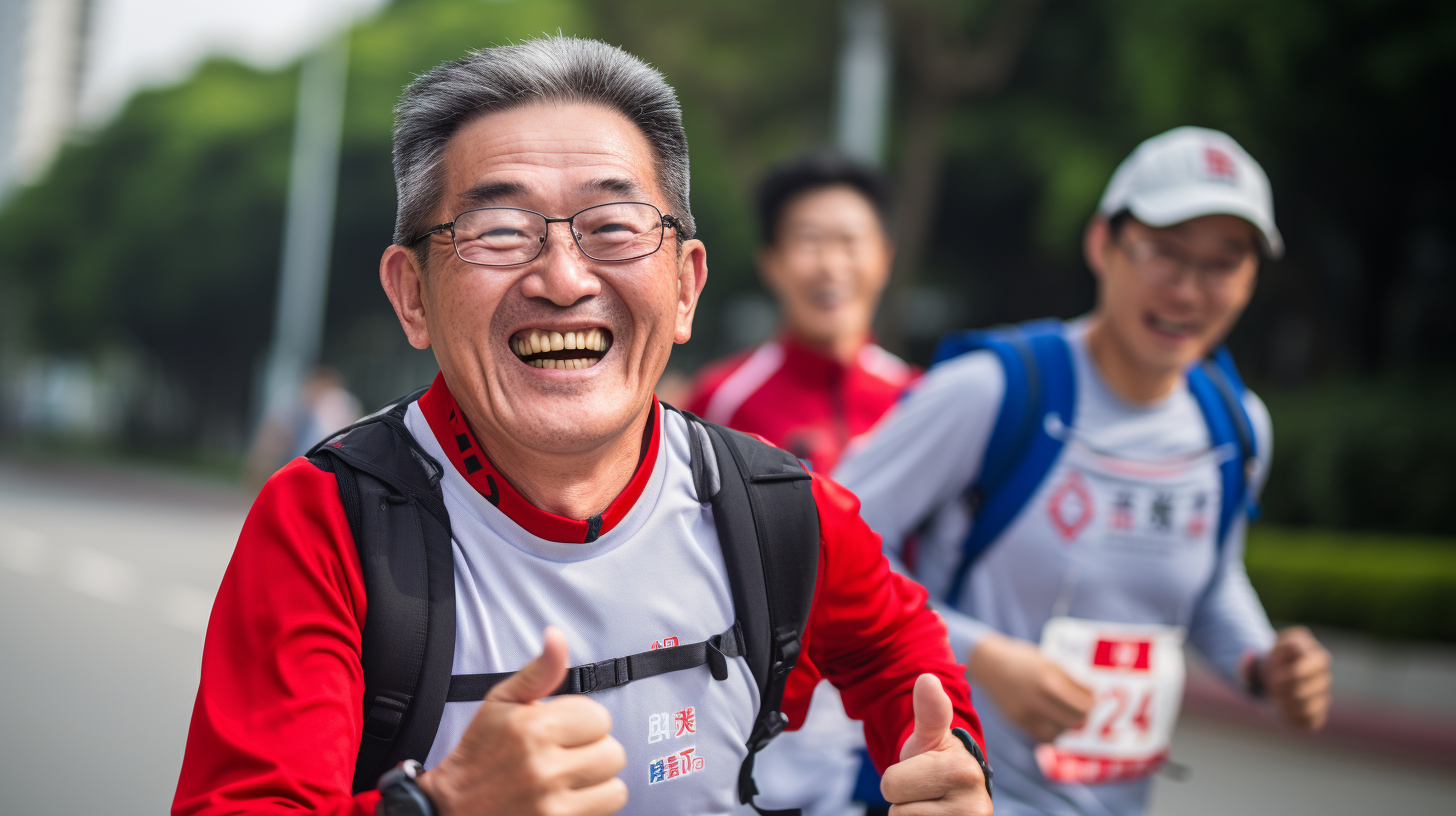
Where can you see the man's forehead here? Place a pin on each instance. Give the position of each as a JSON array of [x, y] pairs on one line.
[[829, 206], [548, 150], [1229, 231]]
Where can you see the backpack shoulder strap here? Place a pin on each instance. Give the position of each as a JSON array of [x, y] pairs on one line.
[[768, 524], [1040, 380], [1217, 387], [390, 489]]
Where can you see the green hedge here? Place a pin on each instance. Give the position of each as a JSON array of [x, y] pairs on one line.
[[1377, 455], [1383, 584]]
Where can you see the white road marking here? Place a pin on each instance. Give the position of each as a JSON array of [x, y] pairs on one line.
[[23, 551], [185, 607], [104, 577]]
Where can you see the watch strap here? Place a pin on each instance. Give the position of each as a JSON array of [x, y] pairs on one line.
[[971, 745], [401, 795]]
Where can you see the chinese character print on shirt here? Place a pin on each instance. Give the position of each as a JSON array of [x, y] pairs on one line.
[[664, 726], [686, 722]]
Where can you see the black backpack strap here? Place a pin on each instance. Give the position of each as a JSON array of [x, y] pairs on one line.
[[768, 526], [619, 671], [390, 489]]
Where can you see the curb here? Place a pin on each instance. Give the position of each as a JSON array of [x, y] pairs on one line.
[[1395, 733]]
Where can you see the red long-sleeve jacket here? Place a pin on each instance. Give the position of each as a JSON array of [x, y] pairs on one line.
[[802, 401], [278, 716]]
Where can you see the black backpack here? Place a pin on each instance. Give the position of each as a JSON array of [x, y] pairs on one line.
[[767, 523]]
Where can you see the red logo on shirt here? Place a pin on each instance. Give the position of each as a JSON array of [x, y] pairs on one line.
[[665, 643], [1124, 654], [1070, 507]]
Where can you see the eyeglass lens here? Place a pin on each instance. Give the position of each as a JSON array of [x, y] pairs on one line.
[[1165, 264], [505, 236]]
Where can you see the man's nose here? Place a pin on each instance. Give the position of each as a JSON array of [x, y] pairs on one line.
[[1187, 282], [561, 273]]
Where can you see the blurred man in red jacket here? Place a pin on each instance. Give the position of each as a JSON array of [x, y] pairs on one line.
[[826, 258]]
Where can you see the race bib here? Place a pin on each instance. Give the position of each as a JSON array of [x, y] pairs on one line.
[[1136, 674]]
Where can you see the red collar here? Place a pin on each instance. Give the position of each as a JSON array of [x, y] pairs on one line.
[[455, 437]]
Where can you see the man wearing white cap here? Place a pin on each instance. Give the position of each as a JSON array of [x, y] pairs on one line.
[[1075, 494]]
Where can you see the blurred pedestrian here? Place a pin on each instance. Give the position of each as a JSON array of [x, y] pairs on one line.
[[825, 255], [324, 406], [1075, 495]]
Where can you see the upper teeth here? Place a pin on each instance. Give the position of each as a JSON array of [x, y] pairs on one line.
[[536, 341]]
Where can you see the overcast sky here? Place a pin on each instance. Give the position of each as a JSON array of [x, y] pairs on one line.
[[137, 44]]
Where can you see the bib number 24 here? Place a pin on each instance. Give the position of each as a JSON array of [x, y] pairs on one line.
[[1136, 674]]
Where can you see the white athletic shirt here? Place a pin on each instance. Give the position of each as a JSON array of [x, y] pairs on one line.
[[1121, 529], [684, 729]]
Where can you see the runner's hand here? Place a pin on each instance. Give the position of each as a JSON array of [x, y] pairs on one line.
[[1296, 677], [526, 754], [935, 774], [1035, 693]]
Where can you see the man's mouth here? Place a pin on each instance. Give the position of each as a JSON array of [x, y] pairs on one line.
[[573, 350], [829, 297], [1172, 328]]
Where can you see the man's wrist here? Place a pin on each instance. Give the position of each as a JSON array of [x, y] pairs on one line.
[[1253, 671], [400, 793], [975, 748]]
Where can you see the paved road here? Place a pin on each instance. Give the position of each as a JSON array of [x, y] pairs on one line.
[[105, 582], [106, 578]]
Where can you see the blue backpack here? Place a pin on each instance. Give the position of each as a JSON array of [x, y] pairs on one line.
[[1041, 380]]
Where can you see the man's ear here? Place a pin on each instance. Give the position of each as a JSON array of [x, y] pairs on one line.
[[692, 276], [1095, 241], [404, 284]]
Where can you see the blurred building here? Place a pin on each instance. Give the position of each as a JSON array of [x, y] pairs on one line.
[[41, 54]]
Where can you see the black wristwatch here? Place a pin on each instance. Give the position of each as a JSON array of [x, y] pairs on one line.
[[965, 737], [400, 794]]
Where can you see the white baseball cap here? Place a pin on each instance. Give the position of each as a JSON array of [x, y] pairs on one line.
[[1190, 172]]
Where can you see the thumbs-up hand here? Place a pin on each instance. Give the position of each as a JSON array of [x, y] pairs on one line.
[[524, 753], [935, 774]]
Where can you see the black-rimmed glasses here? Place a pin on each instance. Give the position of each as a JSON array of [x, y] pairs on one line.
[[510, 236]]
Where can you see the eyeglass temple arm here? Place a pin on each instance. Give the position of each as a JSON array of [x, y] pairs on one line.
[[448, 225]]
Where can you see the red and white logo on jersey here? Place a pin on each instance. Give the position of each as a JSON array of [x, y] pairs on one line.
[[1070, 506], [665, 643], [1124, 654]]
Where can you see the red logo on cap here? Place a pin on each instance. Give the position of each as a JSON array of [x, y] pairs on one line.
[[1220, 165]]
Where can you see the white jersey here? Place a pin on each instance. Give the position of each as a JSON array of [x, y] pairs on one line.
[[1121, 530], [684, 732]]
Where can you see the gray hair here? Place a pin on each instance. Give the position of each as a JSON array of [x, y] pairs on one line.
[[550, 69]]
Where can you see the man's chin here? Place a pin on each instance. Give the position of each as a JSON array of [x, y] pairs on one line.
[[564, 412]]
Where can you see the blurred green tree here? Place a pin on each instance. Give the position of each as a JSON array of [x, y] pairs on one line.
[[160, 232]]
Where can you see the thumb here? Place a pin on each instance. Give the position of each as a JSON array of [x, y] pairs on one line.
[[536, 679], [933, 715]]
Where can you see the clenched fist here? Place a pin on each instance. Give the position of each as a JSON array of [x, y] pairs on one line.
[[1296, 677], [525, 754], [1032, 691]]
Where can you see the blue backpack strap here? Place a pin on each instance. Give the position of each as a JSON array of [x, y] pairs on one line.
[[1216, 385], [1039, 380]]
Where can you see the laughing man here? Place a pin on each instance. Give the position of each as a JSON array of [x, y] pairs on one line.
[[543, 249]]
